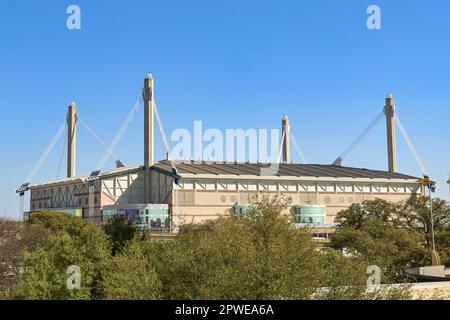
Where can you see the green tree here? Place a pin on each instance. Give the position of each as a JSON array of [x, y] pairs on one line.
[[72, 242], [372, 231], [120, 230], [15, 238], [357, 216], [131, 275], [258, 256], [209, 261], [415, 214]]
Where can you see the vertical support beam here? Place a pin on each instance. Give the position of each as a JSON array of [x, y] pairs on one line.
[[72, 117], [389, 111], [91, 202], [286, 146], [148, 134]]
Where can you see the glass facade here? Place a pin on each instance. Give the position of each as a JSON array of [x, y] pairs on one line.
[[155, 219], [311, 214], [149, 219]]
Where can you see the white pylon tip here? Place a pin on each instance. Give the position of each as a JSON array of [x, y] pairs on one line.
[[149, 76], [72, 104], [389, 95]]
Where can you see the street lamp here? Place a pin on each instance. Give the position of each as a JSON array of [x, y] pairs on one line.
[[436, 260]]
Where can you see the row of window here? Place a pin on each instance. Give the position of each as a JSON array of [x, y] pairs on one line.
[[148, 219], [294, 187]]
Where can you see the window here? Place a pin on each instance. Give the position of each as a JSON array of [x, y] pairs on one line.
[[86, 201], [95, 200], [155, 218], [79, 202], [314, 214]]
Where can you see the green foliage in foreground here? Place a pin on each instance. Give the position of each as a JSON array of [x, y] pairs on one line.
[[394, 236], [72, 242], [131, 275], [258, 256], [120, 230]]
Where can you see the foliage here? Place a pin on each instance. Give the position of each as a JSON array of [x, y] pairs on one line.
[[120, 230], [131, 275], [15, 238], [258, 256], [72, 242], [357, 216], [415, 214], [393, 236]]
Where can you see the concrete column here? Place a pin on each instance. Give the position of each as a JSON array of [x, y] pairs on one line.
[[148, 134], [389, 111], [72, 117], [286, 146]]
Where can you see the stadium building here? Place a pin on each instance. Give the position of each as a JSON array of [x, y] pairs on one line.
[[160, 195]]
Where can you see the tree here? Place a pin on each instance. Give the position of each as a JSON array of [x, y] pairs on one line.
[[358, 215], [72, 242], [210, 261], [131, 275], [416, 214], [258, 256], [373, 232], [120, 230], [15, 238]]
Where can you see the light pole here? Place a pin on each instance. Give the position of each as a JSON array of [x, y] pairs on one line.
[[431, 212], [432, 188]]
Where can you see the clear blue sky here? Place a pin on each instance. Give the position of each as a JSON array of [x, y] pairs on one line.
[[232, 64]]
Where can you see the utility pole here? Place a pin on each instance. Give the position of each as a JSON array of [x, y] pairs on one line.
[[436, 260], [432, 219]]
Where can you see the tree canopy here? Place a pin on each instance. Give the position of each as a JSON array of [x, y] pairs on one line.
[[259, 255], [120, 230], [72, 242], [393, 236]]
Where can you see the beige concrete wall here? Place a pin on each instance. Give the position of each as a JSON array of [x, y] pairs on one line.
[[123, 189], [161, 187], [199, 201]]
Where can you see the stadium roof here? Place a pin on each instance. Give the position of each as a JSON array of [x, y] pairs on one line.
[[283, 170], [205, 169]]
